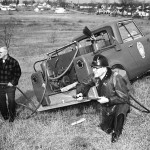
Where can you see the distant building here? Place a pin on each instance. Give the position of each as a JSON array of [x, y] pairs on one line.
[[21, 1], [41, 1]]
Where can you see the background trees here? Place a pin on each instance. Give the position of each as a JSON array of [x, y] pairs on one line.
[[7, 32]]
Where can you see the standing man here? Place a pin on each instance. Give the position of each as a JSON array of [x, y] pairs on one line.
[[113, 96], [10, 73]]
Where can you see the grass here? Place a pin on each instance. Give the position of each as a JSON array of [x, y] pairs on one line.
[[52, 130]]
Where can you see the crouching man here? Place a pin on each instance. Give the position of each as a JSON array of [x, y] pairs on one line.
[[113, 96]]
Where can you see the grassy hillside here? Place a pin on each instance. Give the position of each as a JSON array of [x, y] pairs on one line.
[[37, 34]]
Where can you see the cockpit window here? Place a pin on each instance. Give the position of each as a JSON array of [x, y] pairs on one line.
[[129, 31]]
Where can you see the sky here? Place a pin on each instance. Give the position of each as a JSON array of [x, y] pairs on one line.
[[88, 1]]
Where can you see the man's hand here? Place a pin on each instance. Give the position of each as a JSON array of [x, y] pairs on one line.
[[44, 85], [103, 100], [9, 84], [79, 97]]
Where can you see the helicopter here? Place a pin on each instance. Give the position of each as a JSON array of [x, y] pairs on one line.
[[121, 41]]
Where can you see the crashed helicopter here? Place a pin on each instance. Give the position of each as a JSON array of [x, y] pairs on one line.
[[121, 41]]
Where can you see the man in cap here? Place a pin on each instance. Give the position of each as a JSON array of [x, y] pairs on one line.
[[113, 96], [10, 73]]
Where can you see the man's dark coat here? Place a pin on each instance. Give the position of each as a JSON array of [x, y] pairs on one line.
[[114, 87]]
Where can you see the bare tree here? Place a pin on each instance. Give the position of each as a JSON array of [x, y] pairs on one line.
[[106, 1], [62, 3], [17, 2], [8, 31], [125, 2], [4, 2]]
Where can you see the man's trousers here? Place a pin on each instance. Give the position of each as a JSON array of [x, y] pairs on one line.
[[7, 102]]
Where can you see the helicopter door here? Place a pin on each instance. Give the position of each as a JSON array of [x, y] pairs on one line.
[[135, 43]]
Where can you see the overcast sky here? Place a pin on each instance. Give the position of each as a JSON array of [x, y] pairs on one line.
[[87, 1]]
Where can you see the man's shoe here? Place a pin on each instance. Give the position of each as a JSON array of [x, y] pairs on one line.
[[115, 137], [11, 119], [108, 131], [6, 118]]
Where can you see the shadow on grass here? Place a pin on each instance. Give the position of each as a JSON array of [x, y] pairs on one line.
[[80, 143], [80, 107], [25, 101], [22, 99]]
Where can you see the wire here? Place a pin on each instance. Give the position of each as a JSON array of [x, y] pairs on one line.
[[55, 78], [124, 101], [46, 81], [29, 100], [121, 93], [146, 109]]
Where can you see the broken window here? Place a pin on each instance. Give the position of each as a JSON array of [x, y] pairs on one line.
[[102, 40]]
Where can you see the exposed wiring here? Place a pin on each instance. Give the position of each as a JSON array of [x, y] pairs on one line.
[[66, 70], [46, 80]]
